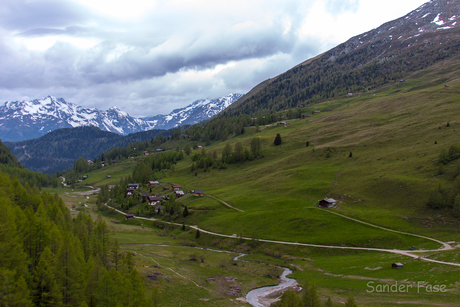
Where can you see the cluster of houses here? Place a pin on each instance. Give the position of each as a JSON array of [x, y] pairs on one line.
[[155, 200]]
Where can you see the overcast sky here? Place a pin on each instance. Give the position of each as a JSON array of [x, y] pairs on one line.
[[149, 57]]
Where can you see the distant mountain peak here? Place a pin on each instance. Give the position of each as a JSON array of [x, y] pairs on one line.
[[21, 120]]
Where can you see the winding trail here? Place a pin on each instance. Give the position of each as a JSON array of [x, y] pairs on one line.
[[445, 245], [225, 203], [411, 254]]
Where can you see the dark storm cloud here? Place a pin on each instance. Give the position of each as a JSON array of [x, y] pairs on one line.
[[139, 63]]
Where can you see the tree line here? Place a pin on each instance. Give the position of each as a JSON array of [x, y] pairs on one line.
[[236, 154], [49, 259]]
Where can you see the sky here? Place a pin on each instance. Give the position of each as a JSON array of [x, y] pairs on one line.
[[148, 57]]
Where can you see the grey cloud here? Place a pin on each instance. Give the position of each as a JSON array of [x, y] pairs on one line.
[[25, 15], [71, 30], [147, 73]]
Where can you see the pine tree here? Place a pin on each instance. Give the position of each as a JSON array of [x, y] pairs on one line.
[[185, 212], [435, 199], [70, 271], [328, 303], [277, 140], [155, 299], [198, 233], [46, 290], [239, 152], [311, 298], [107, 290], [116, 253], [289, 299], [350, 302], [456, 207]]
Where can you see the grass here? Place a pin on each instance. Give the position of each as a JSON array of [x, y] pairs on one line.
[[391, 133]]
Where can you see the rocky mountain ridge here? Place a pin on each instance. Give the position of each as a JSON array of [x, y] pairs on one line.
[[21, 120]]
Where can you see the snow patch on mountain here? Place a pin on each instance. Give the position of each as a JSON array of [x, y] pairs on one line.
[[21, 120]]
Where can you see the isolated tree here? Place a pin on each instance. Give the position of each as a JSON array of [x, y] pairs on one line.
[[308, 143], [350, 155], [255, 146], [328, 303], [350, 302], [198, 233], [448, 125], [277, 140], [435, 198], [185, 213], [188, 149]]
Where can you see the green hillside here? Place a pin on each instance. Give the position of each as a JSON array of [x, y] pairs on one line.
[[376, 153]]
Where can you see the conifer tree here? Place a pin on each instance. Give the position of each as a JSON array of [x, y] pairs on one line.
[[107, 290], [350, 302], [255, 146], [185, 212], [289, 299], [456, 207], [115, 253], [277, 140], [155, 299], [70, 266], [46, 290], [311, 298]]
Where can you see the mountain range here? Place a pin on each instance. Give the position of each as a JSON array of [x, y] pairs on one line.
[[386, 55], [22, 120]]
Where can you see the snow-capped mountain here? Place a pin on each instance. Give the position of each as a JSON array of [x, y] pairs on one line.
[[194, 113], [22, 120], [435, 16]]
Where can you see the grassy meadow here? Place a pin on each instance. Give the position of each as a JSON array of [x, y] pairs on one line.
[[395, 135]]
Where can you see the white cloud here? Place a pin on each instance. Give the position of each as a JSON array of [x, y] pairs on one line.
[[149, 57]]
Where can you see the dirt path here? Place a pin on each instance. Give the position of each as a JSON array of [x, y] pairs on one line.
[[225, 203], [446, 246], [94, 191], [411, 254]]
